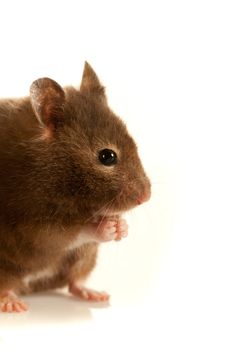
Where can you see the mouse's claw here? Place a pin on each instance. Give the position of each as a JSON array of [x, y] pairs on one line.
[[121, 229]]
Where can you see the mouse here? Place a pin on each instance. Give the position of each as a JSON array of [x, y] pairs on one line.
[[69, 170]]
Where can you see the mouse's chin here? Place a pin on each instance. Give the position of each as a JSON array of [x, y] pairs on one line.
[[102, 214], [110, 214]]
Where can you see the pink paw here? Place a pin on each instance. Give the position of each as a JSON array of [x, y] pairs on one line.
[[9, 302], [122, 229], [109, 229], [88, 294]]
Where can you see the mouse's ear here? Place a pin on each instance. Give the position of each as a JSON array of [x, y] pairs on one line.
[[90, 83], [48, 99]]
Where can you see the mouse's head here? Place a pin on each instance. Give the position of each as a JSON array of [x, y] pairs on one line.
[[94, 161]]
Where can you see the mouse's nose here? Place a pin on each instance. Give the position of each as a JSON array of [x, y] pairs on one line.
[[144, 198]]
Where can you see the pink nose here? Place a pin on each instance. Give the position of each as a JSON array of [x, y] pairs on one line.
[[144, 198]]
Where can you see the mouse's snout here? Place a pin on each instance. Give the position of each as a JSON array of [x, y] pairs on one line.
[[143, 190], [145, 195], [133, 193]]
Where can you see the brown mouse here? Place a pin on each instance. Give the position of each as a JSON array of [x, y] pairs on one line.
[[68, 170]]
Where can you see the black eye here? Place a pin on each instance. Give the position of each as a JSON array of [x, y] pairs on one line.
[[107, 157]]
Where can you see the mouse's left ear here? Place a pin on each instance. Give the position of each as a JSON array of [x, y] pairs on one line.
[[48, 100], [91, 85]]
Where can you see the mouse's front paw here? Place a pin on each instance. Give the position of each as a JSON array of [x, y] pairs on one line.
[[122, 229], [109, 229]]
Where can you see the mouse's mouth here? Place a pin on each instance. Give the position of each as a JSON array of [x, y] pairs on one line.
[[122, 203], [115, 208]]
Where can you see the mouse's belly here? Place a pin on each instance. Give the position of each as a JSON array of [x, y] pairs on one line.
[[39, 275]]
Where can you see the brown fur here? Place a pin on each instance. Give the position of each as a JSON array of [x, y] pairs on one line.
[[52, 182]]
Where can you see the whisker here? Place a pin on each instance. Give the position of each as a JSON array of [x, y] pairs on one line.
[[107, 207], [101, 209], [103, 217]]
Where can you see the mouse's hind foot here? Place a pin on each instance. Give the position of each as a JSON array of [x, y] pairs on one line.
[[9, 302], [88, 294]]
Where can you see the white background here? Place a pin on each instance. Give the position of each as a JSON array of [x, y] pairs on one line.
[[168, 69]]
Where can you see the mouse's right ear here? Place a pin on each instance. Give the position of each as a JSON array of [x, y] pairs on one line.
[[91, 85], [48, 100]]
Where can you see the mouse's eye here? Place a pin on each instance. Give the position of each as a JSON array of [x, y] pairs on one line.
[[107, 157]]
